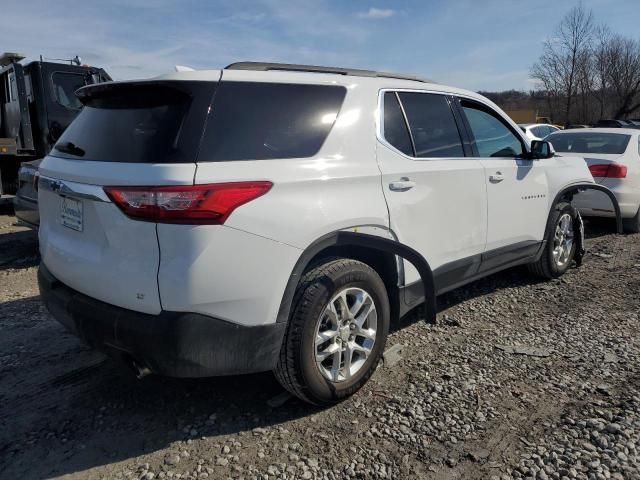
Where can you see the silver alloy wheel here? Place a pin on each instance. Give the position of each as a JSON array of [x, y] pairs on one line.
[[563, 240], [345, 334]]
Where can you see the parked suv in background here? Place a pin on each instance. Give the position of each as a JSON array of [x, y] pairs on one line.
[[279, 217]]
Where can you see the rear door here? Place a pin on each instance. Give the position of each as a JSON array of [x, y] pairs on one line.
[[517, 187], [144, 133], [436, 195]]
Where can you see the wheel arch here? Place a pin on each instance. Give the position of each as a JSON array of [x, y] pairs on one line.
[[567, 193], [378, 252]]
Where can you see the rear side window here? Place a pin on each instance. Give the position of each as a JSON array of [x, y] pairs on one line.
[[260, 121], [590, 142], [492, 137], [395, 127], [138, 122], [432, 125]]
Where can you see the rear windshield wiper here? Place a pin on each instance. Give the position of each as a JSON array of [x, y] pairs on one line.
[[70, 148]]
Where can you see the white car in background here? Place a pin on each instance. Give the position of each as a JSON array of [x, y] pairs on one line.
[[537, 131], [613, 157]]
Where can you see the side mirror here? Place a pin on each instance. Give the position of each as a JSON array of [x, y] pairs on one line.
[[541, 149]]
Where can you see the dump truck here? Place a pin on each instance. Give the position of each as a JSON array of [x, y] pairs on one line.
[[37, 103]]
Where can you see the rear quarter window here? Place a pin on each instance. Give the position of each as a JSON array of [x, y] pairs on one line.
[[261, 121]]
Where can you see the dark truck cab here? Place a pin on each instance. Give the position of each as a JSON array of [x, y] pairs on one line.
[[37, 103]]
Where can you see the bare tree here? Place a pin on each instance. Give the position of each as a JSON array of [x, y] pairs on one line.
[[624, 74], [558, 66], [600, 62]]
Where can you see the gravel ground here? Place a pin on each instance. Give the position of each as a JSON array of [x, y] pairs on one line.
[[518, 379]]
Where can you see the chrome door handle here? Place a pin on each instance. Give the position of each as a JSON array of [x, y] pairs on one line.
[[402, 185], [496, 177]]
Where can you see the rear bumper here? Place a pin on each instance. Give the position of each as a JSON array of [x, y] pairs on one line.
[[172, 343]]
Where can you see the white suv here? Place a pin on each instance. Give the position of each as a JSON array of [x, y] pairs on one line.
[[279, 217]]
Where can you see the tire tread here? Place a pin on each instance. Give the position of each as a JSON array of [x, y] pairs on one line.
[[287, 371]]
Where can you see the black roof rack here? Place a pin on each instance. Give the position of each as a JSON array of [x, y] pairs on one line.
[[291, 67]]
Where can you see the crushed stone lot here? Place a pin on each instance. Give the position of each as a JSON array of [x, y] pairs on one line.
[[518, 379]]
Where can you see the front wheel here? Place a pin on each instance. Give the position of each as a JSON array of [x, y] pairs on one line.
[[336, 334], [561, 243]]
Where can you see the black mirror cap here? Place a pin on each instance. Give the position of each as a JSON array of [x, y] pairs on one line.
[[541, 149]]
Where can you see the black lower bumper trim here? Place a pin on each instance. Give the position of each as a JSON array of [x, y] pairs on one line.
[[172, 343]]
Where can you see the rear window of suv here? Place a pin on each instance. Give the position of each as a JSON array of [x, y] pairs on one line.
[[163, 122], [590, 142], [138, 122], [261, 121]]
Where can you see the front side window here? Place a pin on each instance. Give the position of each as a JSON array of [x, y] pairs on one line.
[[260, 121], [432, 125], [492, 137], [64, 89], [395, 127], [590, 142]]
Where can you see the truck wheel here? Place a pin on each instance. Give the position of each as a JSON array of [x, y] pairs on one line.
[[336, 334], [632, 225], [561, 243]]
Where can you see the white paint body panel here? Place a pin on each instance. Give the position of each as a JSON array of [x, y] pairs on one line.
[[223, 272], [444, 217], [516, 206]]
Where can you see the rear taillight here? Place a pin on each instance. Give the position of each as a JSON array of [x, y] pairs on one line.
[[609, 170], [188, 204]]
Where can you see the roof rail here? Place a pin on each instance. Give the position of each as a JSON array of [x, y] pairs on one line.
[[291, 67]]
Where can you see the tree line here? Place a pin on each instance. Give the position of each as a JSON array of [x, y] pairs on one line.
[[586, 73]]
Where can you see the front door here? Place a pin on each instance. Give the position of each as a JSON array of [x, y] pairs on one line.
[[517, 187]]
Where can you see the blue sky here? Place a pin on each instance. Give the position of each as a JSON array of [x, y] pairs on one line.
[[488, 44]]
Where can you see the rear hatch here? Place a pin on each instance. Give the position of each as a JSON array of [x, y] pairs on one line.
[[127, 134]]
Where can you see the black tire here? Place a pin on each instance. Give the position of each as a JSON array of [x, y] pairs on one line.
[[632, 225], [297, 370], [546, 266]]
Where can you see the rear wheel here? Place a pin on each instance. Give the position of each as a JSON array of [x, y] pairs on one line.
[[561, 243], [336, 334], [632, 225]]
